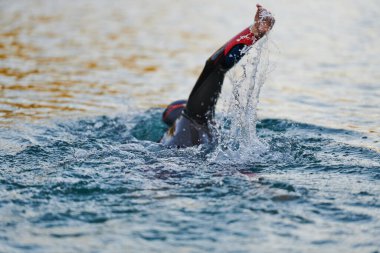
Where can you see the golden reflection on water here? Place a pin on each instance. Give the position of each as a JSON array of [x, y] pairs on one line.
[[47, 72]]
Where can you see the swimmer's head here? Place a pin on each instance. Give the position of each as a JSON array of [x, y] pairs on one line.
[[173, 111]]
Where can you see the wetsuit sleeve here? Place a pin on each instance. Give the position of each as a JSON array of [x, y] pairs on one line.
[[202, 100]]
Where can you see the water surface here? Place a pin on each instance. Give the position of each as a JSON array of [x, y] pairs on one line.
[[80, 169]]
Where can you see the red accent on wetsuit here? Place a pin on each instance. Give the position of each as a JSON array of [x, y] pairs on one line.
[[172, 108], [246, 37]]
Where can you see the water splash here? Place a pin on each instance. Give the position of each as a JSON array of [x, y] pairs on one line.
[[236, 131]]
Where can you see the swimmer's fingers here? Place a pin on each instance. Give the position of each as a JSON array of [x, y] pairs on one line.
[[264, 17], [269, 20], [257, 16], [262, 13], [264, 21]]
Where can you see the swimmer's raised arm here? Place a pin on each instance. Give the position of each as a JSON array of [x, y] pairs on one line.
[[203, 98], [189, 120]]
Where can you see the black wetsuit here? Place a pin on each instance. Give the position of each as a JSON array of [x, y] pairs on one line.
[[191, 124]]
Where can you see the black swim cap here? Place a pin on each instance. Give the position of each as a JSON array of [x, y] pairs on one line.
[[173, 111]]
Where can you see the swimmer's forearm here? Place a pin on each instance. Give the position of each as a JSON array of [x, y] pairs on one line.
[[202, 100], [232, 51]]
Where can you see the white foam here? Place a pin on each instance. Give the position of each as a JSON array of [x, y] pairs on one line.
[[236, 131]]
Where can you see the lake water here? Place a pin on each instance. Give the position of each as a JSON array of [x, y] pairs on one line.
[[82, 84]]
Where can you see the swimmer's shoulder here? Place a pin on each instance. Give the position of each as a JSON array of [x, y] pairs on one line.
[[186, 132]]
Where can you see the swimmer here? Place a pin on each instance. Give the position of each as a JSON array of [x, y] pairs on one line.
[[189, 120]]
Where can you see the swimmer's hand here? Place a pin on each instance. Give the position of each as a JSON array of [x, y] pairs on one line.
[[264, 22]]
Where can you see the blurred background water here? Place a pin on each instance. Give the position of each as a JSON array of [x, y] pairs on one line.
[[77, 175]]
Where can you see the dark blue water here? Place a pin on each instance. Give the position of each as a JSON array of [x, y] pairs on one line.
[[104, 185]]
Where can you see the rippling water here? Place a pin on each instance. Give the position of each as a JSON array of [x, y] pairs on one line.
[[80, 169]]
